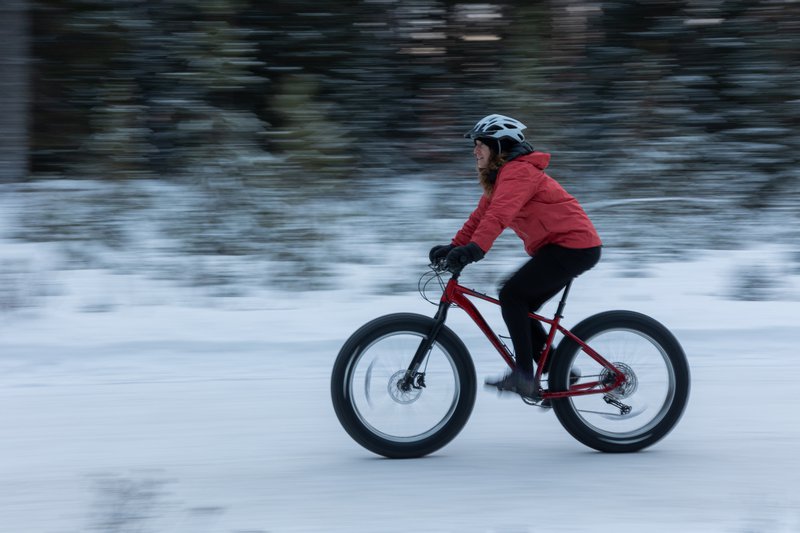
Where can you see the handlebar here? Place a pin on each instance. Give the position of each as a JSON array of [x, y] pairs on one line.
[[440, 266], [437, 272]]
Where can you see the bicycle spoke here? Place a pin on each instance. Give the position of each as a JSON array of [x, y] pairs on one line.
[[402, 414], [646, 394]]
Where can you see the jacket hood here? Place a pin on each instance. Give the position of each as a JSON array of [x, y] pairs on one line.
[[515, 149], [538, 159]]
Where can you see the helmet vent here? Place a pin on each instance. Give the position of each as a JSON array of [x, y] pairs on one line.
[[498, 127]]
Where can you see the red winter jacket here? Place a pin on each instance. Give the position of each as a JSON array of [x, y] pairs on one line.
[[534, 205]]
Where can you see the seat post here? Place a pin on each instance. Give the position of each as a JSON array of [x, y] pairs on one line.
[[563, 302]]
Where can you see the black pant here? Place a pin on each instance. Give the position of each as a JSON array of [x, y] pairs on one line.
[[530, 287]]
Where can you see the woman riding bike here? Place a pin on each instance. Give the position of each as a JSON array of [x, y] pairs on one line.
[[557, 234]]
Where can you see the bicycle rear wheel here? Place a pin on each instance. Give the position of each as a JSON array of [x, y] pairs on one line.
[[375, 410], [642, 410]]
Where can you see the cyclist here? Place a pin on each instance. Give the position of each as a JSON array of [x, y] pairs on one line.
[[555, 230]]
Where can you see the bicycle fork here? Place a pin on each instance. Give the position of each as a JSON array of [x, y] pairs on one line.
[[413, 377]]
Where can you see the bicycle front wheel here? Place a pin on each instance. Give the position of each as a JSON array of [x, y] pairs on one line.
[[381, 415], [646, 406]]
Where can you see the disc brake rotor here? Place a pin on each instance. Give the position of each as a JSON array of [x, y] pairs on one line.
[[398, 394], [627, 388]]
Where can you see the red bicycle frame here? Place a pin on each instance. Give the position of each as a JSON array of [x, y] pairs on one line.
[[457, 294]]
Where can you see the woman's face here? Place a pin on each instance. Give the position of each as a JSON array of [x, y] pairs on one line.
[[482, 155]]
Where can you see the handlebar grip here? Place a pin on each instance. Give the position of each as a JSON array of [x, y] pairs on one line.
[[456, 270], [441, 265]]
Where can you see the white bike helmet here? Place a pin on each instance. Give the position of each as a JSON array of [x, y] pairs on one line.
[[497, 127]]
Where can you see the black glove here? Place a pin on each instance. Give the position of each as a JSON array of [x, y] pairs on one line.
[[461, 256], [439, 252]]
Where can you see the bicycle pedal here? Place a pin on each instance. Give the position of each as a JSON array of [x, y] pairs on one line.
[[492, 386]]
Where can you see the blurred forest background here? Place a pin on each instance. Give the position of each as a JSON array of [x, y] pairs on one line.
[[300, 135]]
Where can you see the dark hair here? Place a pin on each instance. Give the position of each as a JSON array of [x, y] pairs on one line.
[[502, 151], [487, 176]]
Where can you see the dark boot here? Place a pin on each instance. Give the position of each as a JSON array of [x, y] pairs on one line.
[[518, 382]]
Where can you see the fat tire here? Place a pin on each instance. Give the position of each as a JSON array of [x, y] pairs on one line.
[[568, 349], [447, 340]]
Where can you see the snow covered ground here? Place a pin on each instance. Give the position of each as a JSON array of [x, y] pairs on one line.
[[156, 416]]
